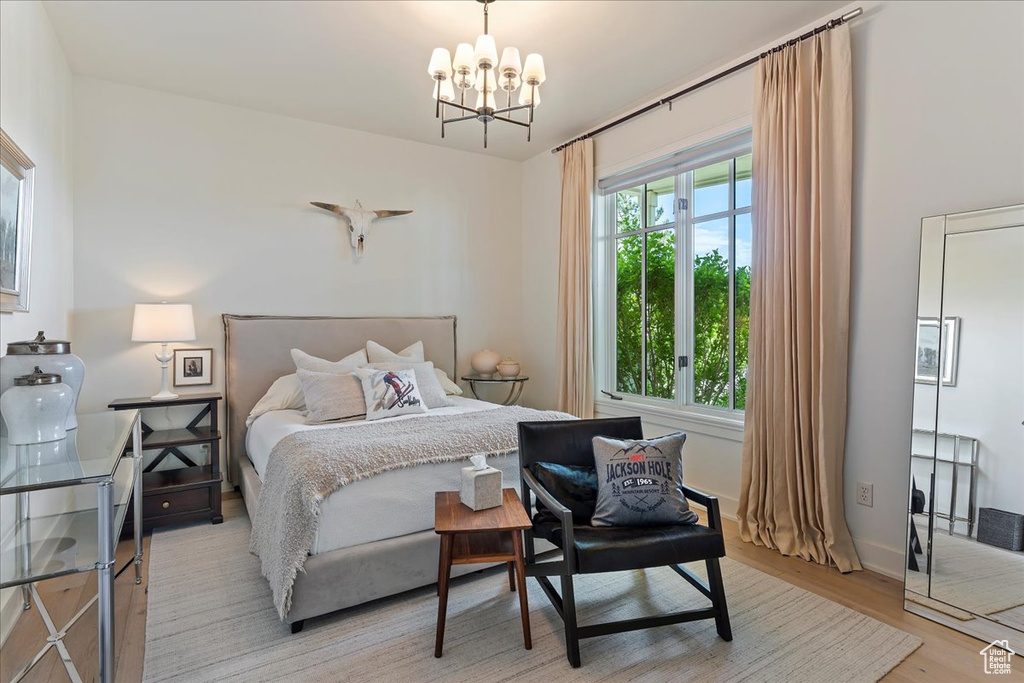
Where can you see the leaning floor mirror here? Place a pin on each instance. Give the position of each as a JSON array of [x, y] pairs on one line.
[[965, 537]]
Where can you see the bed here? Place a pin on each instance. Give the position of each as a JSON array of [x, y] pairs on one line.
[[375, 537]]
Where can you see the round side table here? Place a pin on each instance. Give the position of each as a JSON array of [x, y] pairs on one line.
[[515, 385]]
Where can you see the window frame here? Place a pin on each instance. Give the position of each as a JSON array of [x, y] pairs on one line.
[[605, 292]]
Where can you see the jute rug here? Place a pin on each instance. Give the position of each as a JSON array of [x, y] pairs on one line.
[[211, 618], [979, 578]]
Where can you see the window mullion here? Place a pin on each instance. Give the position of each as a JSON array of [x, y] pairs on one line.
[[680, 289], [732, 285], [643, 291], [688, 284]]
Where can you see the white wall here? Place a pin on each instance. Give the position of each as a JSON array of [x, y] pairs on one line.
[[192, 201], [35, 110], [938, 105]]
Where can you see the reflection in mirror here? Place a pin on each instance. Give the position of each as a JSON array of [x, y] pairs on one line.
[[965, 558]]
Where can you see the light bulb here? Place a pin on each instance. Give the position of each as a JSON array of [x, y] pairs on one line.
[[464, 58], [447, 90], [481, 103], [486, 51], [489, 76], [530, 94], [510, 62], [440, 63], [533, 70]]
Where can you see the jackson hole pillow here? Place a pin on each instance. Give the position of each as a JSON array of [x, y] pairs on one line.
[[639, 482], [304, 361], [426, 381], [376, 353], [389, 393], [332, 397]]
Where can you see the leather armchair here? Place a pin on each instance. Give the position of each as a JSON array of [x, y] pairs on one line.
[[588, 549]]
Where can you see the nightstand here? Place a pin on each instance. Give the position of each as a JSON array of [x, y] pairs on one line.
[[185, 494], [515, 385]]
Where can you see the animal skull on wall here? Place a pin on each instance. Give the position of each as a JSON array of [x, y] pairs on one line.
[[359, 220]]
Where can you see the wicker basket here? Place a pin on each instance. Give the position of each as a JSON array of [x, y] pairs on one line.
[[1001, 528]]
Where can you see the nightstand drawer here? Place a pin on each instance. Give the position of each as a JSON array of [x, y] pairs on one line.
[[161, 504]]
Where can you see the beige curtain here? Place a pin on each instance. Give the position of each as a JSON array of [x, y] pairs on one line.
[[575, 367], [791, 497]]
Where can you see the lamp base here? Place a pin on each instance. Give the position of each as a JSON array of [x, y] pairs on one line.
[[163, 396]]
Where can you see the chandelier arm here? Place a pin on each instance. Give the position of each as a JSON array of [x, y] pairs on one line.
[[506, 120], [461, 118], [515, 108]]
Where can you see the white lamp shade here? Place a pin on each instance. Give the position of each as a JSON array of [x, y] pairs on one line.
[[534, 69], [486, 51], [440, 63], [480, 101], [491, 79], [510, 61], [464, 58], [530, 95], [447, 90], [163, 323]]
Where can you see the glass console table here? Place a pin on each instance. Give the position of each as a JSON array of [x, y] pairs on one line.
[[46, 546]]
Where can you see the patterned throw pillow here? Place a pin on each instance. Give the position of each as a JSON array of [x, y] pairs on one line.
[[426, 381], [639, 482], [389, 393]]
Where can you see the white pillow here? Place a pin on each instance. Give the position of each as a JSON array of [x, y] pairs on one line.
[[426, 381], [389, 393], [304, 361], [332, 397], [376, 353], [284, 394], [450, 387]]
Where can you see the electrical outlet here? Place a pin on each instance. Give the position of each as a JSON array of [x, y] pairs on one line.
[[865, 494]]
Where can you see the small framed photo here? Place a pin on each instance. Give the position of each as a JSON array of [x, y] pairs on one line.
[[192, 366], [935, 357]]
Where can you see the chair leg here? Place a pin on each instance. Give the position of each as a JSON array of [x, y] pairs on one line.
[[572, 639], [718, 599]]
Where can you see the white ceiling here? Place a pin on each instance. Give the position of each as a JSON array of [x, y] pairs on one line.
[[363, 65]]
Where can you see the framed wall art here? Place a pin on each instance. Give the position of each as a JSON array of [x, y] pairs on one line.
[[16, 176]]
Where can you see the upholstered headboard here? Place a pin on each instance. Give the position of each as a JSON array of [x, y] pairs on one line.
[[257, 352]]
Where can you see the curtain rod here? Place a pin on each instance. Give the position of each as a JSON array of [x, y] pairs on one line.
[[831, 23]]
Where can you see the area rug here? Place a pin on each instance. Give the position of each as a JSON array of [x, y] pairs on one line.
[[979, 578], [211, 618]]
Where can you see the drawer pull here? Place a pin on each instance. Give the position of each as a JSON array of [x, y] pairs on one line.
[[166, 504]]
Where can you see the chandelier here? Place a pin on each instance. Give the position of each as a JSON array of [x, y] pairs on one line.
[[478, 68]]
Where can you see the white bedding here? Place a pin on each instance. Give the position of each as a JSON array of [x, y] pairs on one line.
[[392, 504]]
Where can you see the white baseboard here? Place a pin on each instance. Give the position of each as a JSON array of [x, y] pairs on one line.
[[879, 558]]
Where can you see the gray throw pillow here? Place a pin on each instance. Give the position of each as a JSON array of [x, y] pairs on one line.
[[639, 482], [332, 397]]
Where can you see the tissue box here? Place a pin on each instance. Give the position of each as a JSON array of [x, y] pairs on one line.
[[481, 489]]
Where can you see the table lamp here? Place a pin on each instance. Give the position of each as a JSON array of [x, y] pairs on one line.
[[163, 323]]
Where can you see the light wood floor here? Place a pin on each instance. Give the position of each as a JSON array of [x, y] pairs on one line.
[[945, 656]]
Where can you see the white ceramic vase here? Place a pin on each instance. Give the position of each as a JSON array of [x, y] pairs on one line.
[[50, 355], [485, 362], [509, 368], [36, 408]]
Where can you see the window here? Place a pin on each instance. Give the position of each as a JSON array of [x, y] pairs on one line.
[[676, 289]]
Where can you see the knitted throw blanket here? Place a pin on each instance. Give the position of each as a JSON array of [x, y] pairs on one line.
[[307, 466]]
